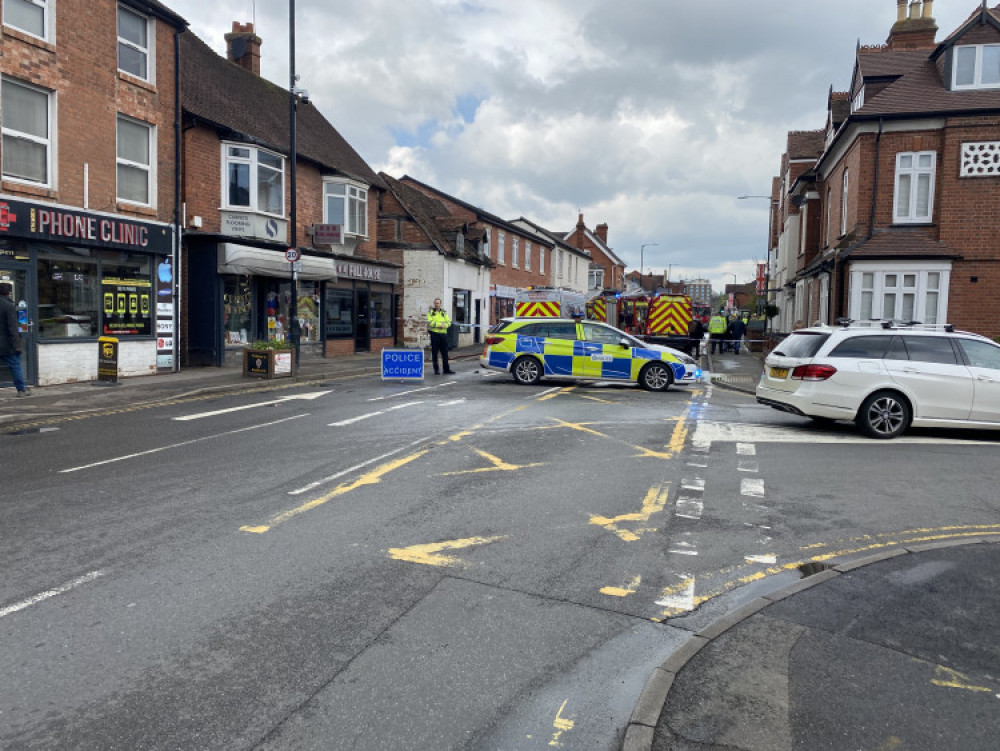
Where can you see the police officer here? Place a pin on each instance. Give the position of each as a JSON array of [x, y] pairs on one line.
[[437, 324], [717, 325]]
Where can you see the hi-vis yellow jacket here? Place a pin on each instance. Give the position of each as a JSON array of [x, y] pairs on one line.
[[716, 325], [438, 321]]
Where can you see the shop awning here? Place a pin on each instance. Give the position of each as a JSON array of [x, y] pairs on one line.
[[244, 259]]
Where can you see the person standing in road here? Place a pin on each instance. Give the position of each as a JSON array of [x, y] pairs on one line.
[[696, 332], [717, 330], [438, 323], [10, 339], [736, 331]]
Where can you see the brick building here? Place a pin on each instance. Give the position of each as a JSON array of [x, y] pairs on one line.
[[889, 211], [88, 201], [239, 221], [595, 242]]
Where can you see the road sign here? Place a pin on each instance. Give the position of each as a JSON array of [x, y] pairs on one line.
[[402, 365], [292, 254]]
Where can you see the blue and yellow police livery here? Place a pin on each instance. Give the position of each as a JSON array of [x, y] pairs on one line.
[[534, 348]]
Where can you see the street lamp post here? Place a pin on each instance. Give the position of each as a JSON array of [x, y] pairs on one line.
[[641, 269], [293, 304]]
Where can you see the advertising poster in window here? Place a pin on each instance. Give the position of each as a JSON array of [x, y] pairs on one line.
[[128, 306], [164, 315]]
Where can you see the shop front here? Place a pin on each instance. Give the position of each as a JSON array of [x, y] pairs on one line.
[[80, 275], [360, 309], [503, 302]]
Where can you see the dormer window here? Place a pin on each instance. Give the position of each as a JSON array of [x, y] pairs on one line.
[[976, 66], [859, 100]]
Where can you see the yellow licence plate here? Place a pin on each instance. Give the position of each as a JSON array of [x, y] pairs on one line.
[[779, 372]]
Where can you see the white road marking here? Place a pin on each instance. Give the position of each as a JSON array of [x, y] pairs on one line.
[[412, 391], [310, 396], [35, 599], [752, 486], [359, 418], [182, 443], [338, 475], [697, 483], [682, 600], [706, 433], [761, 558], [746, 449], [689, 508], [747, 466], [452, 403]]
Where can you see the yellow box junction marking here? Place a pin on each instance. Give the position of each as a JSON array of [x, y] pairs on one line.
[[561, 724], [629, 589], [427, 554], [654, 502], [499, 465], [370, 478], [553, 395]]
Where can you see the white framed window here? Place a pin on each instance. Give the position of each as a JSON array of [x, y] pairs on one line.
[[514, 250], [253, 179], [559, 255], [527, 255], [135, 161], [27, 133], [346, 203], [824, 298], [826, 217], [541, 260], [913, 198], [859, 100], [976, 66], [501, 238], [29, 16], [914, 291], [843, 203], [135, 44], [486, 243]]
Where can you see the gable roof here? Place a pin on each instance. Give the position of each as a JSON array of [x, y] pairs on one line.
[[551, 237], [479, 212], [253, 109]]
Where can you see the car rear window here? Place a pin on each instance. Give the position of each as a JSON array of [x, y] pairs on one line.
[[862, 346], [801, 344]]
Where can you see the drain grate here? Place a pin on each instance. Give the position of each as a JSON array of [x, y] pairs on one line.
[[808, 569]]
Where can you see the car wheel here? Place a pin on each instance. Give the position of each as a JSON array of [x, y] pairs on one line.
[[884, 414], [526, 370], [656, 376]]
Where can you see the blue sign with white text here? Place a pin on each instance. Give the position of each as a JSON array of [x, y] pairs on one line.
[[402, 365]]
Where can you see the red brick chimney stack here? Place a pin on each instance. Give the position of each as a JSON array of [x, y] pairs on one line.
[[601, 230], [243, 47], [915, 28]]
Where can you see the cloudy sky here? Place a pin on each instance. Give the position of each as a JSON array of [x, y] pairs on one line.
[[649, 115]]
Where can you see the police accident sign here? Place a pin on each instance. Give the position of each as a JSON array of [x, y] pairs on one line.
[[402, 365]]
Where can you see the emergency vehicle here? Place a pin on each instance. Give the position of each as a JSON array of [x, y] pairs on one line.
[[548, 302], [662, 318], [604, 308]]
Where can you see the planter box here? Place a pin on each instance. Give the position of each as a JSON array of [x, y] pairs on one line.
[[269, 363]]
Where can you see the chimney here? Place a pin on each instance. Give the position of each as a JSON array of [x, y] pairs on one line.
[[601, 230], [579, 222], [243, 47], [915, 28]]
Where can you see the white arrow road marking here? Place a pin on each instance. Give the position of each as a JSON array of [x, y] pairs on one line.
[[359, 418], [34, 600], [310, 396], [411, 391]]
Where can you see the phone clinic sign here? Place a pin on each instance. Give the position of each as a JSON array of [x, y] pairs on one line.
[[402, 365]]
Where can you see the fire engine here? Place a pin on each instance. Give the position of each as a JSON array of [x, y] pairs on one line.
[[548, 302], [659, 319]]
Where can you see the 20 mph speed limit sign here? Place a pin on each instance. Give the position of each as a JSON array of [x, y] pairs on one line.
[[292, 255]]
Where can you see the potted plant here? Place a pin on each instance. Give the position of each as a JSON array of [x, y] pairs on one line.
[[272, 358]]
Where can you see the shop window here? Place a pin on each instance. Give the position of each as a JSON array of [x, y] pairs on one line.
[[135, 43], [135, 166], [237, 296], [461, 306], [26, 132], [339, 317], [381, 316], [346, 204], [68, 295], [127, 294], [254, 180], [308, 311], [30, 16]]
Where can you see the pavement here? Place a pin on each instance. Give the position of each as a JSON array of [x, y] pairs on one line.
[[896, 651], [891, 652]]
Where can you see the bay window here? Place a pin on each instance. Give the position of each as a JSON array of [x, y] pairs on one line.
[[346, 204], [916, 291], [254, 180]]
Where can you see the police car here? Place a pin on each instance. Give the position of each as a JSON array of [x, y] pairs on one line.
[[534, 348], [886, 377]]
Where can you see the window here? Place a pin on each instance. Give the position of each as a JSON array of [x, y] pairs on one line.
[[862, 346], [976, 66], [500, 249], [486, 243], [255, 180], [560, 255], [127, 291], [603, 334], [843, 204], [936, 349], [917, 292], [135, 169], [541, 260], [461, 305], [515, 242], [981, 354], [135, 42], [527, 255], [347, 204], [381, 324], [31, 16], [913, 199], [339, 316], [858, 101], [26, 132]]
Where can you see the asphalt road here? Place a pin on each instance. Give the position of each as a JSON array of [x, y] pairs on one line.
[[466, 564]]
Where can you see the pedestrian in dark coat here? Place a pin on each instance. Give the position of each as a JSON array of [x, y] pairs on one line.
[[10, 340]]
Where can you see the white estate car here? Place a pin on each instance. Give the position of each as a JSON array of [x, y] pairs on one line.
[[886, 377]]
